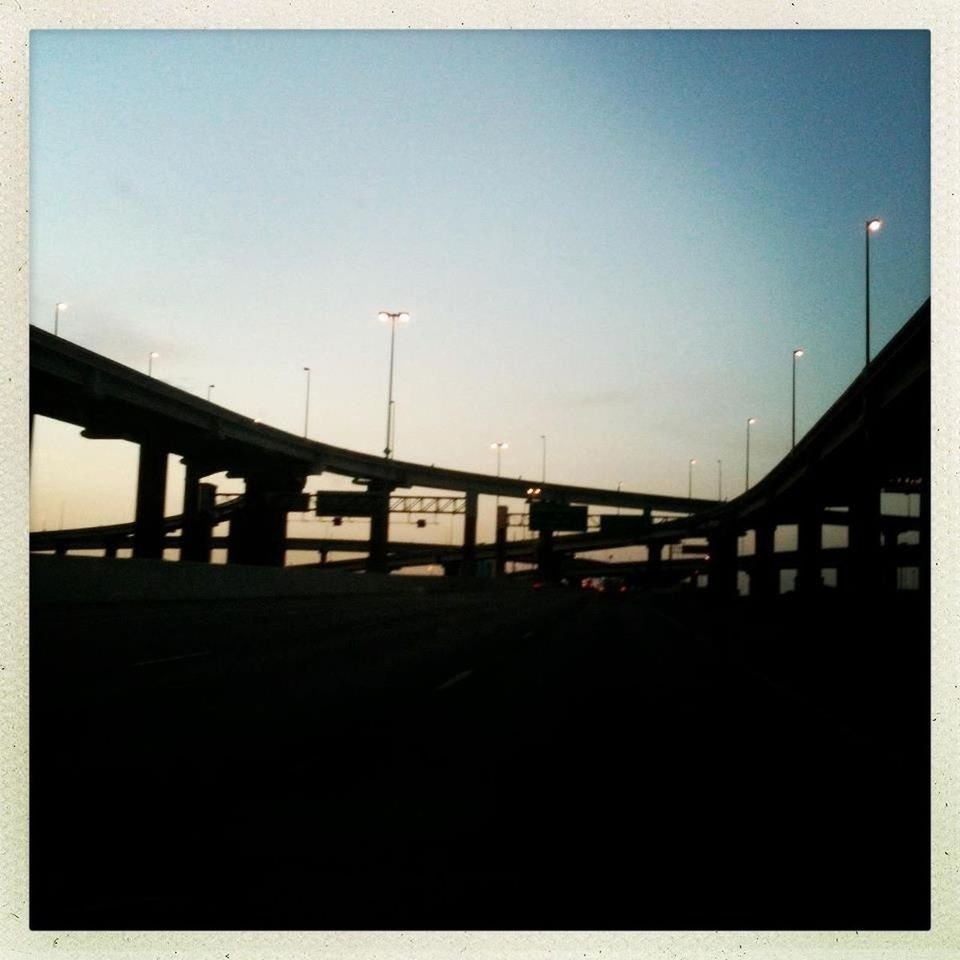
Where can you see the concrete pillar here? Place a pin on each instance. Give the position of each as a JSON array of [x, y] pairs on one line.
[[148, 531], [468, 566], [809, 543], [198, 501], [863, 565], [654, 561], [500, 546], [722, 577], [258, 531], [379, 527], [765, 574], [546, 559]]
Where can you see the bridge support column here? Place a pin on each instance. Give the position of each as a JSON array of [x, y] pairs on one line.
[[500, 546], [809, 542], [722, 577], [379, 527], [198, 500], [148, 530], [654, 561], [863, 565], [765, 575], [468, 565], [258, 531], [546, 558]]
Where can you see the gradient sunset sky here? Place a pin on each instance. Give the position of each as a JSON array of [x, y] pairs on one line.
[[614, 239]]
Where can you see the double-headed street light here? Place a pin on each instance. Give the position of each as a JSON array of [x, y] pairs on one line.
[[690, 478], [499, 446], [392, 318], [153, 356], [750, 422], [797, 354], [56, 318], [871, 226]]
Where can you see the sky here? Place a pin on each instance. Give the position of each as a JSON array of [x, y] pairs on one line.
[[611, 239]]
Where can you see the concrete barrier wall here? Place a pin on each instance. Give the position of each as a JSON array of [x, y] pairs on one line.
[[98, 580]]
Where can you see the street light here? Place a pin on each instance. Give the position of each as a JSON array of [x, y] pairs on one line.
[[499, 446], [797, 354], [871, 226], [690, 479], [210, 391], [384, 317], [56, 318], [153, 356], [719, 480], [751, 421], [619, 485], [306, 411], [543, 472]]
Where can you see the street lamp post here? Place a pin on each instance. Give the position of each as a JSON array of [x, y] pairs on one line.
[[797, 354], [871, 226], [153, 356], [306, 411], [56, 318], [210, 391], [499, 446], [690, 478], [385, 317], [719, 480], [750, 422], [619, 485], [543, 472]]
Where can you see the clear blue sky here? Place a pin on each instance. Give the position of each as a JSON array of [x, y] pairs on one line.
[[615, 239]]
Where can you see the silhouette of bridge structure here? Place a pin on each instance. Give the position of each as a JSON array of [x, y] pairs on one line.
[[873, 440]]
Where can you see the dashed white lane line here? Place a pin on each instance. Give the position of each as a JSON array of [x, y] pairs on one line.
[[462, 675]]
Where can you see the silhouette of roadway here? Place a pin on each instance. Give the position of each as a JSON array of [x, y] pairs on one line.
[[494, 758]]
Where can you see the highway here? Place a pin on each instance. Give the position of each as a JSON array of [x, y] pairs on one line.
[[496, 758]]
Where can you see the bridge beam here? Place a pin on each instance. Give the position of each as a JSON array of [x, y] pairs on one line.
[[148, 533]]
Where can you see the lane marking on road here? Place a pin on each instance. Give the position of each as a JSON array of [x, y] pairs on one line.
[[182, 656], [447, 684]]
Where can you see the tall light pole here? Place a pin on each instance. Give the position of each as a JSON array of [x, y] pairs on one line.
[[750, 422], [690, 478], [543, 472], [797, 354], [392, 318], [210, 391], [719, 480], [153, 356], [871, 226], [619, 485], [499, 446], [56, 318], [306, 411]]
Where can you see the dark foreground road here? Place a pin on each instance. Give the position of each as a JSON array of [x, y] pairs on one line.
[[499, 759]]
